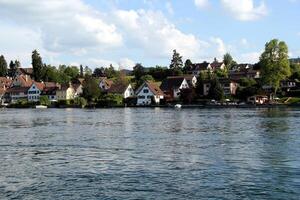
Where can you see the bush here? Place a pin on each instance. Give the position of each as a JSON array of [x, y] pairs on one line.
[[80, 101], [44, 100]]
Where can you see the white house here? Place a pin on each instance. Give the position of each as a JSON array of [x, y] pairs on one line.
[[125, 90], [34, 92], [172, 86], [149, 93]]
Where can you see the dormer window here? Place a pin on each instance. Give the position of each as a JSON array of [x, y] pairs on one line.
[[146, 91]]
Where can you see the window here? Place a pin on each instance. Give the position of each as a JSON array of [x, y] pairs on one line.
[[149, 97], [146, 91], [142, 97]]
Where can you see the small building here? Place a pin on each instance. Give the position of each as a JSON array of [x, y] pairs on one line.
[[66, 92], [125, 90], [229, 86], [105, 84], [172, 86], [198, 67], [258, 100], [149, 93], [15, 94], [217, 65]]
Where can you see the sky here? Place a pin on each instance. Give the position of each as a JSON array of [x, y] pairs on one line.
[[98, 33]]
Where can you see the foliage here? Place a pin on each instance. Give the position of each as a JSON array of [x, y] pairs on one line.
[[221, 73], [110, 72], [216, 91], [44, 100], [37, 65], [80, 101], [176, 62], [275, 65], [228, 60], [159, 73], [200, 84], [295, 71], [81, 71], [87, 71], [138, 71], [247, 82], [99, 72], [91, 90], [3, 66], [188, 65]]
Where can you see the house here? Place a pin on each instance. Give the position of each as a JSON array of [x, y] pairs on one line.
[[24, 71], [15, 94], [22, 81], [287, 85], [243, 71], [217, 65], [172, 86], [125, 90], [229, 86], [65, 92], [34, 91], [198, 67], [149, 93], [105, 84], [50, 90], [258, 100]]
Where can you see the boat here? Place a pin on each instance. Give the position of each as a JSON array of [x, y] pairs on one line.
[[178, 106], [41, 107]]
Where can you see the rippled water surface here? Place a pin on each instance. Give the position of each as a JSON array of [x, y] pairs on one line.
[[150, 154]]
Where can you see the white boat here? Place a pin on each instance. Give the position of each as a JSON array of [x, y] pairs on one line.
[[178, 106], [41, 107]]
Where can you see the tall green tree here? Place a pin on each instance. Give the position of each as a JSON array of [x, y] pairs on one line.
[[176, 62], [37, 65], [275, 65], [138, 71], [81, 71], [91, 90], [3, 66], [216, 91], [227, 59], [188, 65]]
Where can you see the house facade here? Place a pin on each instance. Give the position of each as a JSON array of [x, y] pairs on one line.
[[65, 93], [105, 84], [172, 86], [149, 93], [125, 90], [34, 92]]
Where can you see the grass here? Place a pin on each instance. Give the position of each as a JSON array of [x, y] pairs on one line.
[[292, 100]]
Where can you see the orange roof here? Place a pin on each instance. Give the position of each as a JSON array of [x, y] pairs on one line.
[[152, 86]]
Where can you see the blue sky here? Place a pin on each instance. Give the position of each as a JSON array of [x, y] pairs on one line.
[[123, 32]]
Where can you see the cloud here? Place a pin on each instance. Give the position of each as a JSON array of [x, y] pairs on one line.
[[201, 3], [169, 8], [63, 25], [221, 47], [245, 10], [153, 34], [252, 57]]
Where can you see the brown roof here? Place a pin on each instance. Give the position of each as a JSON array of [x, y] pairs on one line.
[[5, 82], [25, 71], [117, 88], [153, 87], [216, 65], [17, 89], [108, 83], [39, 85], [171, 82], [25, 80], [201, 66]]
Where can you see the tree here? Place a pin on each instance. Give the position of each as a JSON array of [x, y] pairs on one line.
[[176, 62], [200, 84], [228, 61], [3, 66], [91, 90], [275, 65], [87, 71], [44, 100], [99, 72], [216, 91], [138, 71], [81, 71], [110, 72], [188, 65], [37, 65]]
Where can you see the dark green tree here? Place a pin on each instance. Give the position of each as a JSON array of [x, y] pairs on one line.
[[91, 90], [3, 66], [81, 71], [200, 84], [138, 71], [37, 65], [87, 71], [228, 60], [275, 65], [188, 65], [176, 62], [216, 91]]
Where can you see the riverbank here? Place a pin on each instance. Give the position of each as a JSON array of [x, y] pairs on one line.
[[191, 106]]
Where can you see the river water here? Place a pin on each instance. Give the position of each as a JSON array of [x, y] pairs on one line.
[[150, 154]]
